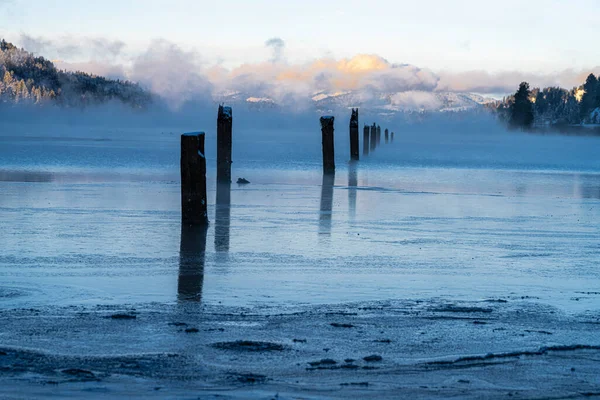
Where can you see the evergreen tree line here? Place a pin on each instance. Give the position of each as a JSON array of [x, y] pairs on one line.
[[27, 79], [552, 105]]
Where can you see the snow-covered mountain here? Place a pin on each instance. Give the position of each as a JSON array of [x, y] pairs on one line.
[[368, 101]]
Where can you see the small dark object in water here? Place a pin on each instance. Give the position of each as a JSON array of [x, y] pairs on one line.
[[177, 324], [247, 345], [80, 373], [325, 361], [458, 309], [243, 181], [338, 325], [373, 358], [355, 384], [123, 316], [3, 353], [250, 378], [299, 340], [349, 360], [192, 330], [480, 322], [383, 341]]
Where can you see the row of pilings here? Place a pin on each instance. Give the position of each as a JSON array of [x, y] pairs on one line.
[[194, 205], [371, 140]]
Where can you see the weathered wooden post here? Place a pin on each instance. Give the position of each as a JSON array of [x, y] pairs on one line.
[[366, 140], [193, 180], [373, 137], [378, 135], [387, 136], [354, 135], [328, 143], [224, 128]]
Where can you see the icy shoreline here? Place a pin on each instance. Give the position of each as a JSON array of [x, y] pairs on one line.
[[428, 348]]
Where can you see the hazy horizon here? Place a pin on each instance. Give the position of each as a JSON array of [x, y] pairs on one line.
[[286, 51]]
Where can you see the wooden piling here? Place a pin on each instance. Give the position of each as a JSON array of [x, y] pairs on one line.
[[373, 137], [224, 129], [378, 135], [366, 140], [354, 135], [193, 180], [328, 144], [392, 138], [387, 136]]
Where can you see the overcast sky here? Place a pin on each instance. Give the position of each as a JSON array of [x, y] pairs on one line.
[[533, 35]]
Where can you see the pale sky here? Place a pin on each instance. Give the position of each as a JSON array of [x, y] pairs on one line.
[[523, 35]]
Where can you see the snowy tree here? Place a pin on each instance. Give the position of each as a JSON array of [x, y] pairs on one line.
[[521, 111]]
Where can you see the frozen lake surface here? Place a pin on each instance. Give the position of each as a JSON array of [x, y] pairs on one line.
[[499, 230]]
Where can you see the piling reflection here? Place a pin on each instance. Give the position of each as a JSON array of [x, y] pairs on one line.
[[191, 263], [352, 185], [326, 204], [222, 217]]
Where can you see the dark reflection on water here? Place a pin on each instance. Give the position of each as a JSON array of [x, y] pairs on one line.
[[590, 192], [326, 204], [352, 184], [191, 263], [25, 176], [222, 217]]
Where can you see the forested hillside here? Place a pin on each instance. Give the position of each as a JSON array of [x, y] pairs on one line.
[[552, 105], [25, 78]]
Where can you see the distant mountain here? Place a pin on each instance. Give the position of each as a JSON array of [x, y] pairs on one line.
[[368, 101], [25, 78]]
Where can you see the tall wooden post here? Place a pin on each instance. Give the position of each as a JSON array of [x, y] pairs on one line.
[[193, 180], [354, 135], [224, 128], [328, 143], [387, 136], [392, 138], [378, 135], [373, 137], [366, 140]]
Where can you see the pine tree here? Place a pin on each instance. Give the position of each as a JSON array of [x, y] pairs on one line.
[[588, 101], [521, 111]]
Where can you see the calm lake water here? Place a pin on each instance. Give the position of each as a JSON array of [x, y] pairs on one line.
[[92, 216]]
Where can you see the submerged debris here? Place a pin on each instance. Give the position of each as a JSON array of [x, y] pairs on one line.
[[458, 309], [325, 361], [79, 373], [249, 378], [373, 358], [122, 316], [338, 325], [243, 181], [247, 345]]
